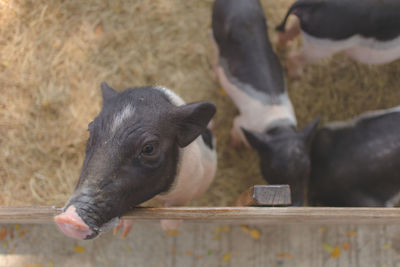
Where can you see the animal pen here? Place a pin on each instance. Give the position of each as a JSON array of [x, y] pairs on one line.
[[53, 56]]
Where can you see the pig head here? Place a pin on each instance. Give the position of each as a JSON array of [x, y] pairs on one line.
[[132, 155], [285, 157]]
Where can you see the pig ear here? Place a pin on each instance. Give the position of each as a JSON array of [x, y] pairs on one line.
[[193, 120], [256, 140], [309, 130], [107, 91]]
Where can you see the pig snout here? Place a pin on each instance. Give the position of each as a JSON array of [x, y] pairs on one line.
[[71, 224]]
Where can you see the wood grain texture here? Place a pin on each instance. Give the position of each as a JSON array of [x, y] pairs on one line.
[[265, 195], [209, 245], [235, 215]]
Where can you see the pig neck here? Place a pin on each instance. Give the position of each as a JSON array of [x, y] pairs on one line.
[[281, 128], [195, 168]]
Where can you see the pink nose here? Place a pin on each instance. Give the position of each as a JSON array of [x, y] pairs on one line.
[[72, 225]]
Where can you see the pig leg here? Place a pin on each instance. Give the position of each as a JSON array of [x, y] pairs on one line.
[[215, 57], [291, 31], [359, 199], [237, 136], [125, 225], [168, 225], [309, 53]]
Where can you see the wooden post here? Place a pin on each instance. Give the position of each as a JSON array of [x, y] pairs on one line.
[[265, 195]]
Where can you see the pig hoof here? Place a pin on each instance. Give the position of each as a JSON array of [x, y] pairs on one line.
[[280, 42], [168, 225], [125, 225], [236, 143], [295, 66], [211, 125]]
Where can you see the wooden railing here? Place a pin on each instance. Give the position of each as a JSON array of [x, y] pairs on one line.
[[266, 198], [237, 215]]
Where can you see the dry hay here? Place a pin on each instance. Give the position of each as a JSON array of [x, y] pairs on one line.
[[54, 54]]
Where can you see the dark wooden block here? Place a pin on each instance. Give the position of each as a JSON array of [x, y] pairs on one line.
[[265, 195]]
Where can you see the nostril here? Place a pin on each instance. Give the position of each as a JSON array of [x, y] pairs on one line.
[[72, 225]]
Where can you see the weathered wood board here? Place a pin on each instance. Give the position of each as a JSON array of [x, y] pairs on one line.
[[208, 245], [236, 215]]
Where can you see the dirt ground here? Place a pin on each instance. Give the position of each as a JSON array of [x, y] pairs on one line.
[[55, 54]]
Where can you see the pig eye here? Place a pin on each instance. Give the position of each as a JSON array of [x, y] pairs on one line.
[[148, 149]]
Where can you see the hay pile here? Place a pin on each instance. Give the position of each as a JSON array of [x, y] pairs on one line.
[[54, 54]]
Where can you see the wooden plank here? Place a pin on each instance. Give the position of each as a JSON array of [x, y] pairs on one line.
[[238, 215], [265, 195]]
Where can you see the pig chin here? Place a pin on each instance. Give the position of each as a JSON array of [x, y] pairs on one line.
[[72, 225]]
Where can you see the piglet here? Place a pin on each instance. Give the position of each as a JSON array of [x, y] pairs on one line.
[[146, 143], [367, 31], [249, 71], [357, 163]]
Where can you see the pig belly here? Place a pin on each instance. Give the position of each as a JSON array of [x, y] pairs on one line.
[[196, 173], [255, 115], [370, 56], [364, 50]]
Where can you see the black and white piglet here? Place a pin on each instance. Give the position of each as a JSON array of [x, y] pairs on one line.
[[357, 163], [251, 74], [368, 30], [145, 143]]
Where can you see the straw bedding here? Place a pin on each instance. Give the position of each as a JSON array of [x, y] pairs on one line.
[[54, 54]]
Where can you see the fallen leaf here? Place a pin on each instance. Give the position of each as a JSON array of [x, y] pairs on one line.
[[285, 255], [3, 233], [387, 246], [199, 257], [227, 257], [189, 253], [79, 249], [11, 251], [216, 237], [22, 233], [255, 234], [5, 244], [51, 264], [327, 247], [323, 229], [173, 250], [222, 92], [17, 227], [245, 228], [128, 249], [209, 252], [225, 228], [335, 252], [172, 232], [351, 233], [346, 246]]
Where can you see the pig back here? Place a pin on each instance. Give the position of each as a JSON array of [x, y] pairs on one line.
[[245, 52], [342, 19], [362, 155]]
